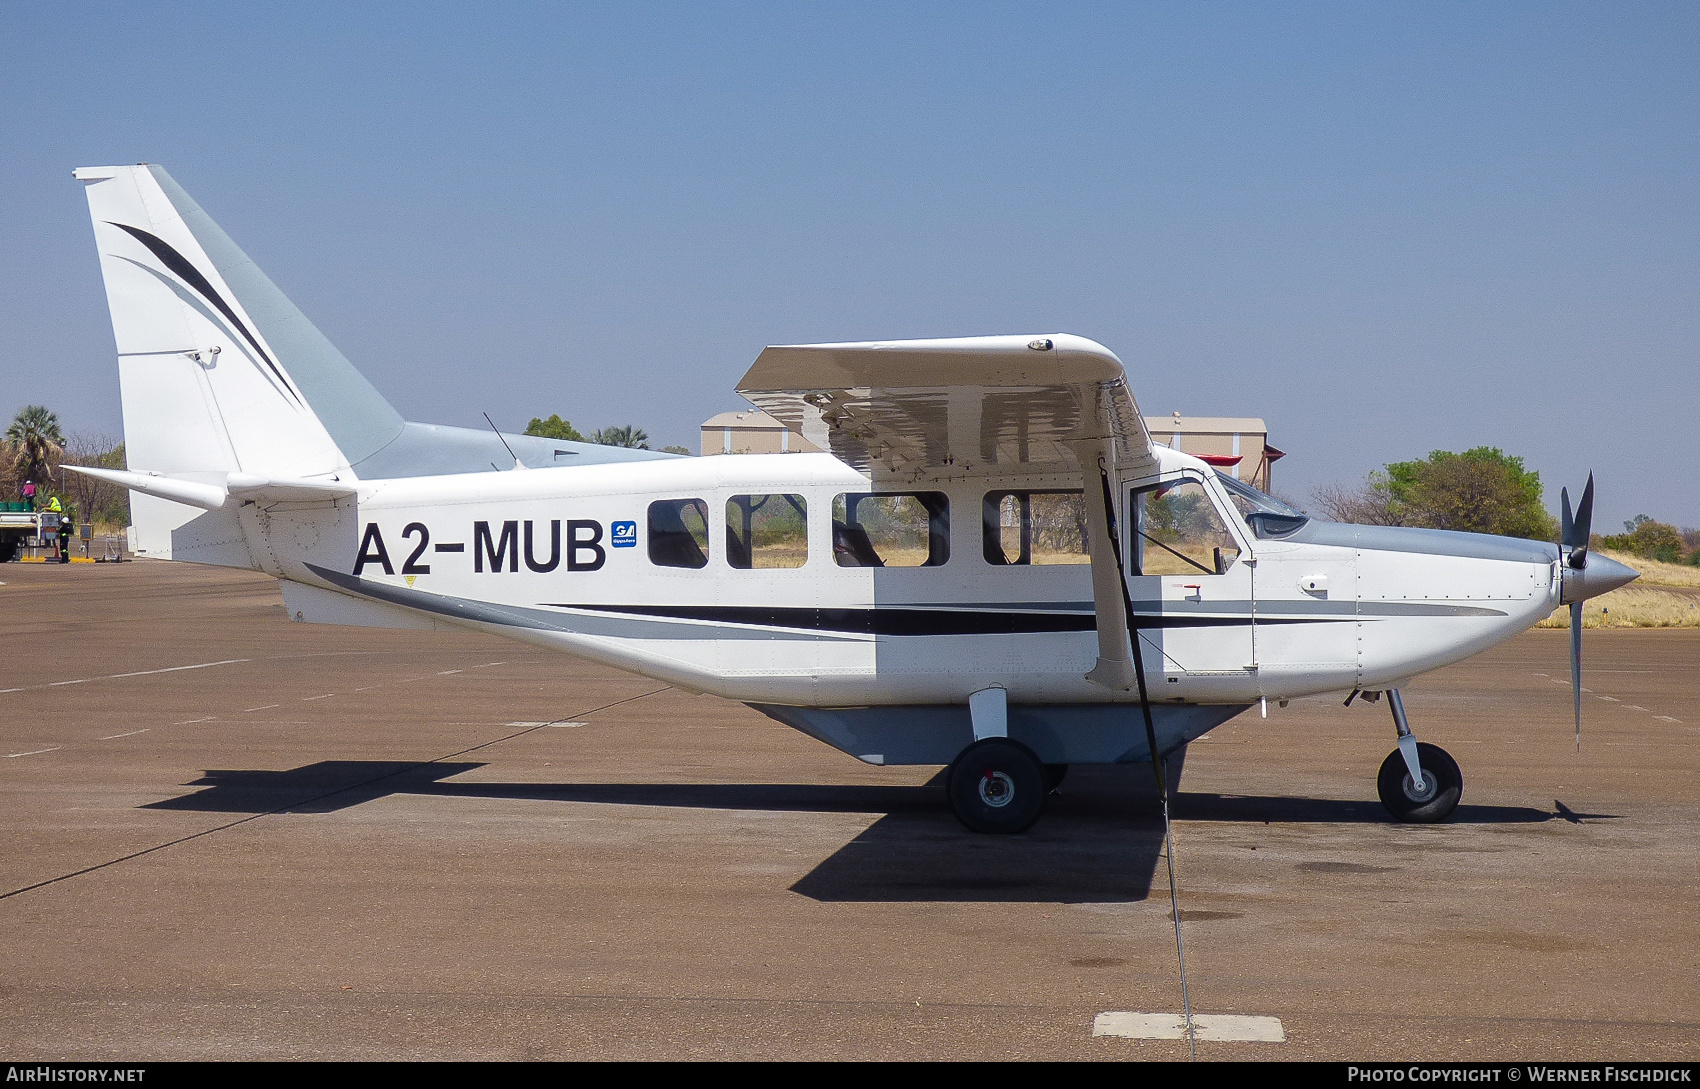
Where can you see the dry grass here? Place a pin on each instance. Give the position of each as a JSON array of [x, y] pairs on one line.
[[1655, 573], [1633, 607]]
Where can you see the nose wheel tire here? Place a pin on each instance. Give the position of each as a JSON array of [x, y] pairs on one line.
[[1428, 802], [997, 786]]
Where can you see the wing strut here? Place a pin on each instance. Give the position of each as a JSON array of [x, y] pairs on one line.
[[1115, 640]]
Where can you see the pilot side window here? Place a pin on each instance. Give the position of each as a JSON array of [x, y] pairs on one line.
[[891, 529], [1035, 528], [678, 533], [767, 531], [1177, 530]]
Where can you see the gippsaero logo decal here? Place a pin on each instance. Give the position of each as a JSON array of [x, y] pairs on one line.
[[624, 534]]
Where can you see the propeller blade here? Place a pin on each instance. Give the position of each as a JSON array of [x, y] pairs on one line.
[[1567, 524], [1584, 525], [1576, 665]]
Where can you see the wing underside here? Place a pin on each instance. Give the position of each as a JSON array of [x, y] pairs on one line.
[[968, 405]]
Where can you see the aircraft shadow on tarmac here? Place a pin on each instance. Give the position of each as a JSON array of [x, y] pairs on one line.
[[1100, 840]]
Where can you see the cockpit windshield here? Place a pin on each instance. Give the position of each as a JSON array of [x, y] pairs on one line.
[[1267, 516]]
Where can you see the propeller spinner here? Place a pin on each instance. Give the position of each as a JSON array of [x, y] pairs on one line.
[[1584, 576]]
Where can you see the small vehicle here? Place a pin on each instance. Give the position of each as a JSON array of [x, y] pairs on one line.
[[19, 526]]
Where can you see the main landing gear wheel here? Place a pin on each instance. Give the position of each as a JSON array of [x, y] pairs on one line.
[[996, 785], [1430, 802]]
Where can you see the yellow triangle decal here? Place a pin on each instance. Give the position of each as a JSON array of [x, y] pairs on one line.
[[410, 578]]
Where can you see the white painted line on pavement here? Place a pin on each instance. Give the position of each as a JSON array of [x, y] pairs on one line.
[[33, 752], [263, 707], [1667, 718], [326, 696], [173, 669], [1221, 1027], [192, 721], [120, 676], [567, 725], [446, 672], [114, 737]]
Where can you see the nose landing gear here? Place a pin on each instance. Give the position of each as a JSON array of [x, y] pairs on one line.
[[1419, 783]]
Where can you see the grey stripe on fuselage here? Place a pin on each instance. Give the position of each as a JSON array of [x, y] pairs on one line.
[[600, 623]]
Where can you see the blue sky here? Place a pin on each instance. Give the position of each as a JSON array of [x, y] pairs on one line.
[[1384, 228]]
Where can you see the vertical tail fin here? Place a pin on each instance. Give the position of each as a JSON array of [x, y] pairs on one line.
[[218, 370]]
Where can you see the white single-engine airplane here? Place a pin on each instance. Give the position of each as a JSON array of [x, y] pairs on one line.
[[995, 568]]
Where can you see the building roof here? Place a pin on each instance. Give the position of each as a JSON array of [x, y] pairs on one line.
[[753, 418], [1228, 425]]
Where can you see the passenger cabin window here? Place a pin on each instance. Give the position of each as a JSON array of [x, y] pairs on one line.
[[1035, 528], [678, 533], [1178, 531], [767, 531], [891, 529]]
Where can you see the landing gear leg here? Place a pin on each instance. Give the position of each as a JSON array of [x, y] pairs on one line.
[[1419, 783]]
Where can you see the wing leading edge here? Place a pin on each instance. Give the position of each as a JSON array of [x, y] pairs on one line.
[[958, 405]]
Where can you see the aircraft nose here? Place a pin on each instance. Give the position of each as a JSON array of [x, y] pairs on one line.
[[1598, 575]]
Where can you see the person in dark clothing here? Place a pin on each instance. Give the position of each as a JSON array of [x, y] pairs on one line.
[[67, 520]]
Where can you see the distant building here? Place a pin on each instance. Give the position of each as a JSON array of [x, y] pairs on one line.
[[751, 432], [1236, 445]]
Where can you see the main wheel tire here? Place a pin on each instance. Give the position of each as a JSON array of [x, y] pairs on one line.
[[1054, 775], [997, 785], [1434, 801]]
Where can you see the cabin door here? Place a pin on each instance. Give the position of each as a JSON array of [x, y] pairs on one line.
[[1190, 587]]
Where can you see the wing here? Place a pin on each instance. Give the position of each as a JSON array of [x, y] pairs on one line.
[[959, 405]]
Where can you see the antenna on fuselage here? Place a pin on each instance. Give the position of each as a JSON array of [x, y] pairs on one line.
[[517, 463]]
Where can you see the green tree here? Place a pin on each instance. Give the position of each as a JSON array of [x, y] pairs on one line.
[[628, 436], [1483, 490], [1642, 536], [675, 450], [36, 436], [554, 428], [97, 501]]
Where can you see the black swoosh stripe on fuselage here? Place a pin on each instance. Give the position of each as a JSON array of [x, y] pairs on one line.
[[903, 621]]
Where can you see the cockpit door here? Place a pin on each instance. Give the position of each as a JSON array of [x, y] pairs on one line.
[[1190, 584]]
